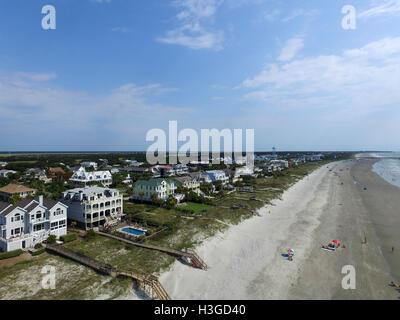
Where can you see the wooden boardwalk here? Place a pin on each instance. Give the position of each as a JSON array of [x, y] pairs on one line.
[[190, 255], [147, 283]]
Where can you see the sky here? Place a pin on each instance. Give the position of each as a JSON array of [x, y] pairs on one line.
[[114, 69]]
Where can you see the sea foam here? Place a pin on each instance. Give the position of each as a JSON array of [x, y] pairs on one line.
[[388, 169]]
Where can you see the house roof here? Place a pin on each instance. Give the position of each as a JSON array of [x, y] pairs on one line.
[[153, 182], [3, 205], [57, 170], [7, 211], [183, 179], [16, 188]]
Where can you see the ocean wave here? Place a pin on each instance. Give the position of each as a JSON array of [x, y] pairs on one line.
[[389, 170]]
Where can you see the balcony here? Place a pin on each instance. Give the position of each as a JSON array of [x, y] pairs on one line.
[[18, 237], [34, 221]]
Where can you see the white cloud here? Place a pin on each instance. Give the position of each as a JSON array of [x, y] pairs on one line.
[[389, 7], [359, 80], [34, 112], [273, 15], [300, 13], [191, 32], [291, 48]]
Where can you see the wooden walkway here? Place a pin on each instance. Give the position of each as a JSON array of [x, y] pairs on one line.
[[190, 255], [147, 283]]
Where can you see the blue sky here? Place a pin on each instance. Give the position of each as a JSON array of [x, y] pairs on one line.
[[112, 70]]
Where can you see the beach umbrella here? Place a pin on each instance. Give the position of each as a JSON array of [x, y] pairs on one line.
[[290, 250], [336, 241]]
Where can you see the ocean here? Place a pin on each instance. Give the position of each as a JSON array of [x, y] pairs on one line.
[[388, 167]]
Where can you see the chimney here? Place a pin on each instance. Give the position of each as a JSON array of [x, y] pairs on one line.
[[41, 200]]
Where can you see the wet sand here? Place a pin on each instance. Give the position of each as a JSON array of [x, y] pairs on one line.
[[246, 261]]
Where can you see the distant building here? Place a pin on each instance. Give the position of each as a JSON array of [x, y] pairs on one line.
[[5, 173], [133, 163], [89, 164], [200, 177], [144, 189], [217, 175], [128, 179], [15, 189], [3, 164], [137, 170], [162, 171], [31, 221], [56, 172], [82, 177], [188, 183], [93, 206], [37, 173]]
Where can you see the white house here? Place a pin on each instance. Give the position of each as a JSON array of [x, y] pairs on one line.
[[82, 177], [4, 173], [93, 206], [217, 175], [31, 221], [89, 164]]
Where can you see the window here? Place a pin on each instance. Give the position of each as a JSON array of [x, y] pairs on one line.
[[58, 212], [62, 224], [54, 225], [38, 227]]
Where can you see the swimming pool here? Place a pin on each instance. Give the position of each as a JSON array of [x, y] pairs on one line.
[[133, 231]]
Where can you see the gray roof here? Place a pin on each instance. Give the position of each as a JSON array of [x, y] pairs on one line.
[[7, 211], [183, 179], [3, 205], [24, 202]]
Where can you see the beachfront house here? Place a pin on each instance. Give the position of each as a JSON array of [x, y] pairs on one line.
[[188, 183], [31, 221], [200, 177], [145, 189], [81, 177], [94, 206], [13, 189], [217, 175]]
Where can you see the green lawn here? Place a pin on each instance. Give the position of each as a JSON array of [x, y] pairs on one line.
[[196, 207]]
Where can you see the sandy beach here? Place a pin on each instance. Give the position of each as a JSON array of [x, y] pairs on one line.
[[246, 261]]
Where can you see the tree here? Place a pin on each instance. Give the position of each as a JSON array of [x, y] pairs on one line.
[[170, 203]]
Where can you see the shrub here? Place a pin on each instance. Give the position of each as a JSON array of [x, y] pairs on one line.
[[11, 254], [36, 253], [69, 237], [51, 239], [38, 245], [90, 234]]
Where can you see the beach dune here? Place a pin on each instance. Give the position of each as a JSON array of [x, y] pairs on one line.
[[246, 261]]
